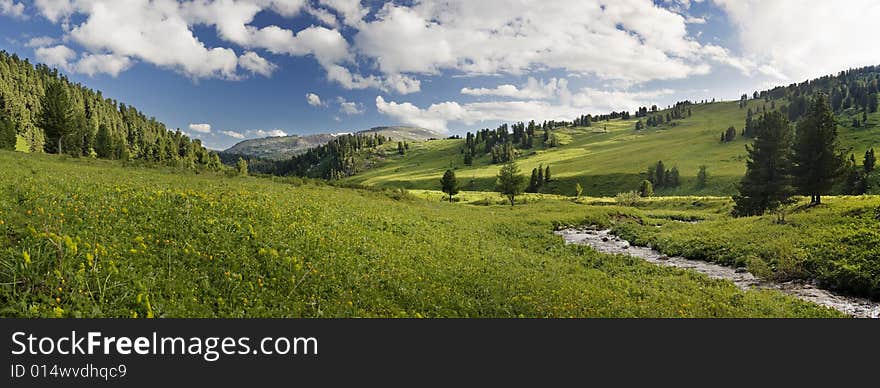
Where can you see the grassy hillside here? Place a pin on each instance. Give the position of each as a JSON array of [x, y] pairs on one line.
[[611, 157], [86, 238]]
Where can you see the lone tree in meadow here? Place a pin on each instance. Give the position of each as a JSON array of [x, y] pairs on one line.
[[702, 177], [768, 181], [818, 162], [646, 189], [56, 118], [578, 190], [449, 184], [241, 166], [510, 182]]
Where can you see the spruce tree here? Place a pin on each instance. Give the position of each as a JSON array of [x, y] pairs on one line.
[[547, 174], [646, 189], [869, 161], [510, 182], [449, 184], [241, 166], [533, 182], [767, 183], [56, 117], [702, 177], [817, 158]]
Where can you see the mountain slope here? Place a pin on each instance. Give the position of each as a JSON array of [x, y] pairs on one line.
[[609, 162], [285, 147]]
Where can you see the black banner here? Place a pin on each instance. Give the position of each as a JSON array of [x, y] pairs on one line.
[[415, 352]]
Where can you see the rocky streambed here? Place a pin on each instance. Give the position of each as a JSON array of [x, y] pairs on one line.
[[605, 242]]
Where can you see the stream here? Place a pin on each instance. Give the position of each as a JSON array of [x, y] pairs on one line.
[[605, 242]]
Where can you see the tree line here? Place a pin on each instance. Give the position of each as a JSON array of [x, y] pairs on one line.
[[42, 111], [786, 160]]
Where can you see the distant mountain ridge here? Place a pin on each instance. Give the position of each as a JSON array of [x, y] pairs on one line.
[[283, 147]]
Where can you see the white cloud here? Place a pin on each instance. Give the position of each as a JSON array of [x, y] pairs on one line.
[[533, 89], [349, 107], [56, 56], [256, 64], [630, 40], [314, 99], [796, 40], [40, 41], [200, 128], [92, 64], [587, 100], [55, 10], [12, 8], [233, 134], [63, 57], [270, 133]]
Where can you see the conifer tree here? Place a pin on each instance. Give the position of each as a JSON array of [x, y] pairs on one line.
[[56, 117], [817, 159], [767, 183], [449, 184], [547, 174], [869, 161], [702, 177], [510, 182], [646, 189], [242, 166]]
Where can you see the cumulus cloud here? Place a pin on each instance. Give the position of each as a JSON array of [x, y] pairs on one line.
[[40, 41], [631, 40], [265, 133], [587, 100], [799, 40], [56, 56], [12, 8], [233, 134], [200, 128], [314, 99], [256, 64], [533, 89], [349, 107]]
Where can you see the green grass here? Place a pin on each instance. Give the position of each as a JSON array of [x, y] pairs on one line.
[[606, 163], [87, 238], [837, 243]]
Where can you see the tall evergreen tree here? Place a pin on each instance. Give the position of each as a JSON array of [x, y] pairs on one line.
[[547, 174], [767, 183], [510, 182], [818, 161], [56, 118], [869, 161], [702, 177], [449, 184]]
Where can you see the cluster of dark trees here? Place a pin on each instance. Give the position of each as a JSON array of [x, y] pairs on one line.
[[661, 177], [45, 112], [540, 176], [783, 162], [339, 158], [502, 143], [679, 111], [858, 177], [402, 147]]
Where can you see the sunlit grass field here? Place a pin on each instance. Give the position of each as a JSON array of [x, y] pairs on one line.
[[611, 157], [86, 238]]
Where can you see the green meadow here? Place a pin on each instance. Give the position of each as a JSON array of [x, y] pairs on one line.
[[611, 156], [89, 238]]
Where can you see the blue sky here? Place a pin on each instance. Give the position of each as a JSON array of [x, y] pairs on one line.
[[231, 69]]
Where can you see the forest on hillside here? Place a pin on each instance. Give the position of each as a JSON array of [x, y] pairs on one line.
[[41, 110]]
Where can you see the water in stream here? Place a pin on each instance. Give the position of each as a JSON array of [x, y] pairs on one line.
[[605, 242]]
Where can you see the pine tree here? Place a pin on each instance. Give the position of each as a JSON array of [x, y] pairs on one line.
[[449, 184], [56, 117], [869, 161], [660, 171], [767, 183], [241, 166], [510, 182], [400, 148], [702, 177], [646, 189], [540, 180], [533, 182], [547, 174], [817, 158]]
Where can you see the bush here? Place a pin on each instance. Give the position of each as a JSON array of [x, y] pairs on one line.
[[630, 198]]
